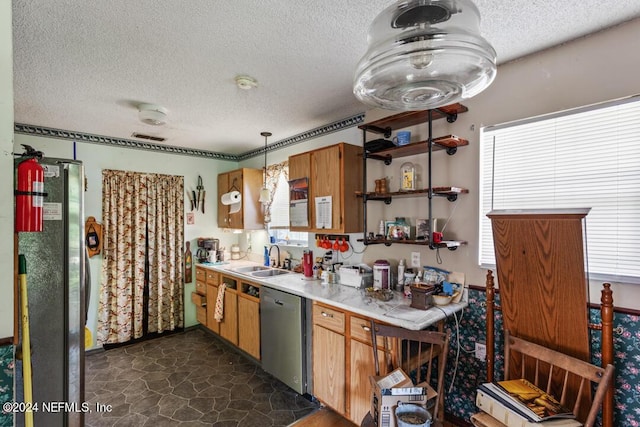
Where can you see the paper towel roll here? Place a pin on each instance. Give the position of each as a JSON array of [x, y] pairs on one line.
[[235, 207], [231, 198]]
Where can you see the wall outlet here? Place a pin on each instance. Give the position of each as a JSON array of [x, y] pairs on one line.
[[481, 351], [415, 259]]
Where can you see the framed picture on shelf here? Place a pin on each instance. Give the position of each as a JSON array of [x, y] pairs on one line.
[[388, 228], [397, 231], [422, 229]]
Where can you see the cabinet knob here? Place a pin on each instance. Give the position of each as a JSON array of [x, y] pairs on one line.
[[326, 314], [366, 328]]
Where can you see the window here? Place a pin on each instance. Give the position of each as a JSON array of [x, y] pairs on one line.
[[582, 158], [279, 225]]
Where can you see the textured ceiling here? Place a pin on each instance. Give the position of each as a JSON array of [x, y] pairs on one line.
[[85, 65]]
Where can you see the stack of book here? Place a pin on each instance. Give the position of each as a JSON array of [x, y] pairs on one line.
[[519, 403]]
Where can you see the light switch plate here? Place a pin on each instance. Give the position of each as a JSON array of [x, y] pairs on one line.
[[415, 259]]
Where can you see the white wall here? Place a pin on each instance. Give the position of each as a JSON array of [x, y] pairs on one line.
[[95, 158], [6, 169]]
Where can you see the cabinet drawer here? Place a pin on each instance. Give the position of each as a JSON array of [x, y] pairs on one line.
[[361, 329], [201, 315], [201, 274], [213, 278], [198, 299], [201, 287], [328, 318]]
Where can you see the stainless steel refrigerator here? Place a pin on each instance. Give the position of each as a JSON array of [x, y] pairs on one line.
[[56, 294]]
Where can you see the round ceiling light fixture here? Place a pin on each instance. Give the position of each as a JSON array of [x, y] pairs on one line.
[[246, 82], [424, 54], [152, 114]]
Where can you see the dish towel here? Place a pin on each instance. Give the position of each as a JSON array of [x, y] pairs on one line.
[[219, 310]]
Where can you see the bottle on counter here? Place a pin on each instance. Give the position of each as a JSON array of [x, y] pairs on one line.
[[400, 283], [267, 262]]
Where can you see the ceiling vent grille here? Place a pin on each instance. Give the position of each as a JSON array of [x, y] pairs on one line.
[[148, 137]]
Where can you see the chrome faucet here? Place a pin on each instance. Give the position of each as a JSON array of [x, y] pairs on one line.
[[277, 259]]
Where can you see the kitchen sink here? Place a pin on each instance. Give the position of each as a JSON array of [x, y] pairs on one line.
[[251, 268], [269, 273]]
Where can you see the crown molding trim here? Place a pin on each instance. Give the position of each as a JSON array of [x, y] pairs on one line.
[[304, 136], [119, 142], [47, 132]]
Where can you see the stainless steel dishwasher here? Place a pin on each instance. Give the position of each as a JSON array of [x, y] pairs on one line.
[[284, 336]]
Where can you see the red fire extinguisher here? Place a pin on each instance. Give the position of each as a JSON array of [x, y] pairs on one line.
[[29, 196]]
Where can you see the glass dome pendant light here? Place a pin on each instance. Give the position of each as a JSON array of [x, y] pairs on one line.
[[264, 192], [424, 54]]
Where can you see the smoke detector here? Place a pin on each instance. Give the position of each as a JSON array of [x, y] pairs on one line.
[[152, 114], [246, 82]]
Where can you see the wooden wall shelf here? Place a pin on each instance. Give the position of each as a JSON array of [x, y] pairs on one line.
[[449, 143], [412, 118]]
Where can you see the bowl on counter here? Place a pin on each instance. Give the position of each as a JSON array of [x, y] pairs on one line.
[[440, 299]]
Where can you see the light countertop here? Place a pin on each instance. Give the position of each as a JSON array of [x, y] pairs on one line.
[[397, 311]]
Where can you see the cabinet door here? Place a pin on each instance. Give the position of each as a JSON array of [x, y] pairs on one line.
[[235, 182], [212, 295], [326, 176], [223, 210], [300, 166], [362, 366], [329, 382], [249, 325], [229, 324]]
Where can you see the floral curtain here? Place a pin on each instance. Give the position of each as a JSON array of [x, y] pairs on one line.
[[272, 176], [143, 236]]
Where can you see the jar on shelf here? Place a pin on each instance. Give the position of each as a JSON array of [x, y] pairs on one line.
[[407, 177]]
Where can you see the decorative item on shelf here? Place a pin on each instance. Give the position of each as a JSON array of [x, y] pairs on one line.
[[381, 186], [424, 54], [265, 197], [402, 138], [407, 177], [400, 230]]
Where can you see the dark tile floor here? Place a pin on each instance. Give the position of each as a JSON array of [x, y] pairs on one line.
[[186, 379]]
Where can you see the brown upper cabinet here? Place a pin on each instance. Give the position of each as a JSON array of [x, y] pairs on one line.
[[248, 182], [334, 171]]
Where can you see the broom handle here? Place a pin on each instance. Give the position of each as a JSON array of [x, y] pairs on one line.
[[26, 344]]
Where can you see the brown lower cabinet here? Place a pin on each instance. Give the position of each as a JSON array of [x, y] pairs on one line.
[[249, 320], [240, 324], [342, 361]]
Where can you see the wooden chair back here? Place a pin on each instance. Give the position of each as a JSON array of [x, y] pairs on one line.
[[555, 373], [422, 354]]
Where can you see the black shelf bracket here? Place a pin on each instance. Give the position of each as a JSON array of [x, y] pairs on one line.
[[452, 197]]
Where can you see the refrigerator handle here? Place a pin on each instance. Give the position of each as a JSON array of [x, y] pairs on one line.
[[87, 286]]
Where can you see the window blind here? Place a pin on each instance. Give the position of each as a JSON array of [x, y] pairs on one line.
[[577, 159]]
